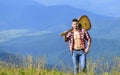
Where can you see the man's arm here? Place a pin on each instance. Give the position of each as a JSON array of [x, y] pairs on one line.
[[66, 35], [88, 42], [65, 38]]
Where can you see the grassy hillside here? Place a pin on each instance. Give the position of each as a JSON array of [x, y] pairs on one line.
[[30, 66]]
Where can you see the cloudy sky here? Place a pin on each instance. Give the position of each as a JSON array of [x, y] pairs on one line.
[[103, 7]]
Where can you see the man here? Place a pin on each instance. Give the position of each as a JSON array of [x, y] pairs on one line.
[[77, 38]]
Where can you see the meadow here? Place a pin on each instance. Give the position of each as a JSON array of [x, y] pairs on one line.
[[37, 66]]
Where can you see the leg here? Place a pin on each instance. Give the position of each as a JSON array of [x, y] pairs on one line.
[[83, 62], [75, 58]]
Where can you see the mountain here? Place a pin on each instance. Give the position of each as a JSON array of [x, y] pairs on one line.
[[54, 49], [24, 14], [11, 58]]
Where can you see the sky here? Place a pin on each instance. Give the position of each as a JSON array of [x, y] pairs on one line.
[[102, 7]]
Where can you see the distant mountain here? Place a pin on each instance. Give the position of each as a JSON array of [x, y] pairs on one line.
[[24, 14], [54, 49], [6, 57]]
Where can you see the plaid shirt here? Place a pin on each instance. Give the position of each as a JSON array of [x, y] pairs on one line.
[[84, 36]]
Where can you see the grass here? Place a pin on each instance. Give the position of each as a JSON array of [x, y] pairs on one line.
[[30, 66]]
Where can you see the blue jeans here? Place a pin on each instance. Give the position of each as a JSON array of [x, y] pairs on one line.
[[79, 57]]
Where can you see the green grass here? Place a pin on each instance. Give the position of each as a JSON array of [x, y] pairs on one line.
[[30, 66]]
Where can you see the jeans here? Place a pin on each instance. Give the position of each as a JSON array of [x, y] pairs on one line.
[[79, 57]]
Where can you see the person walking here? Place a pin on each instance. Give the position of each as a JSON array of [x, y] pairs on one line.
[[79, 44]]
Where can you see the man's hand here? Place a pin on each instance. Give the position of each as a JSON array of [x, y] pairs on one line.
[[63, 33], [86, 50]]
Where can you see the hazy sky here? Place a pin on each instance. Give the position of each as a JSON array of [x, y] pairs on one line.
[[103, 7]]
